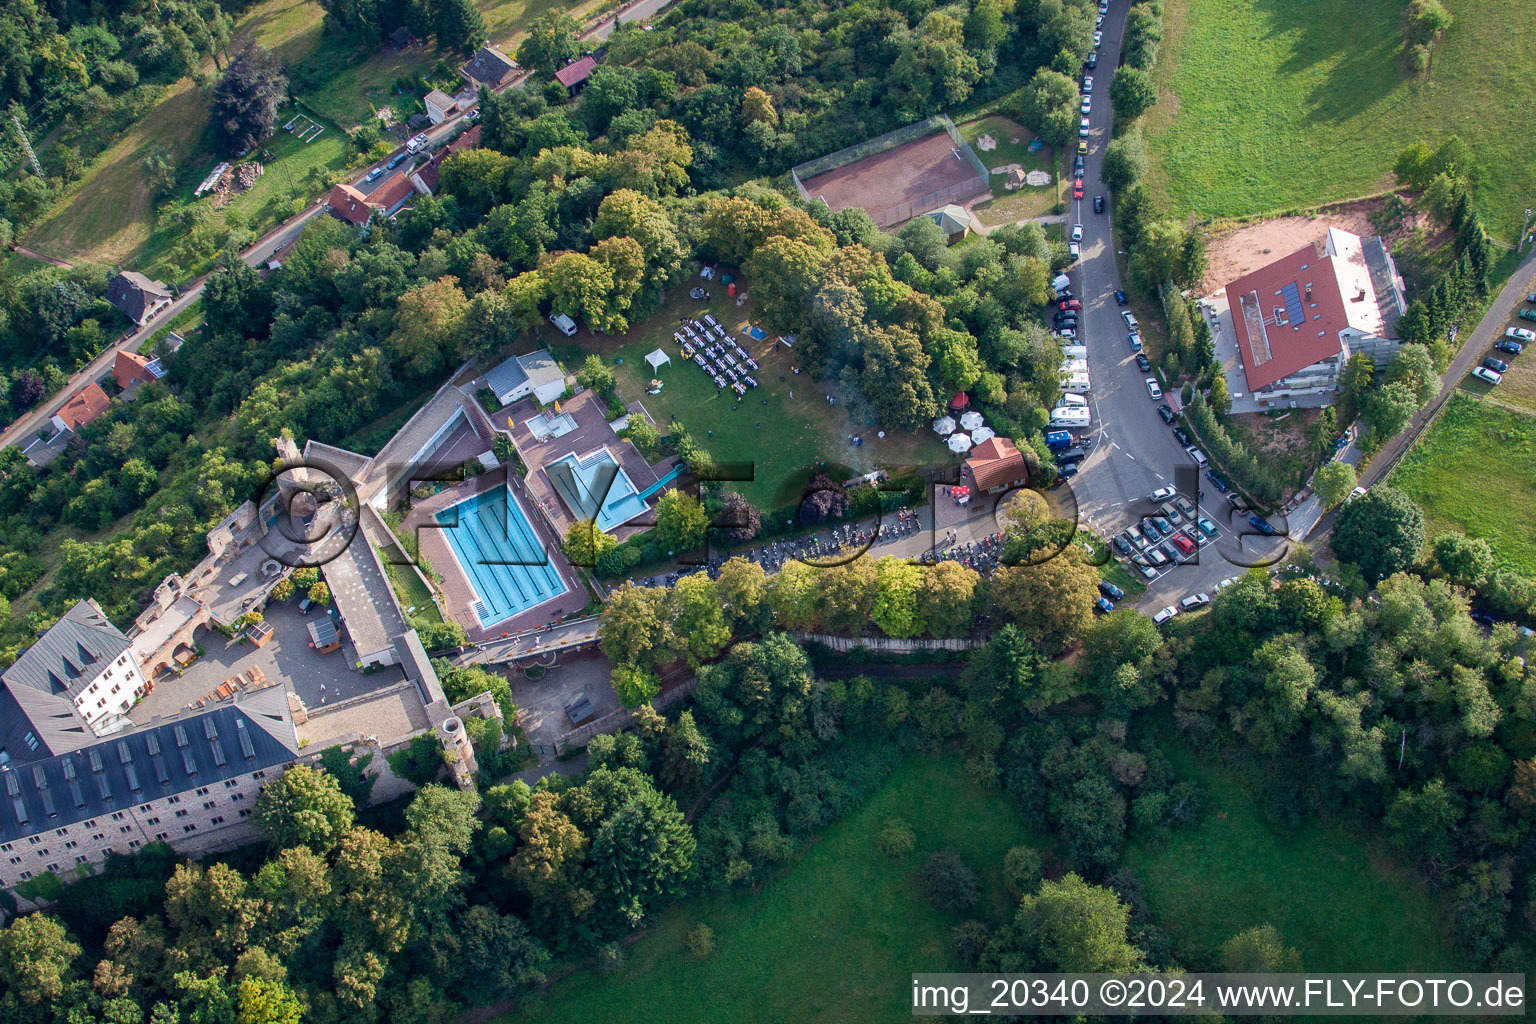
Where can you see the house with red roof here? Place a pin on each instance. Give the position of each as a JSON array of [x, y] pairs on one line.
[[428, 174], [996, 465], [349, 204], [1297, 321], [131, 369], [574, 75], [83, 407]]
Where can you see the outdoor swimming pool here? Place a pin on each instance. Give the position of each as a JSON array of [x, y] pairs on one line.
[[500, 554], [596, 485]]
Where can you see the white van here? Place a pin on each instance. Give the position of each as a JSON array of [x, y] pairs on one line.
[[1077, 384], [1071, 417], [1061, 282], [564, 324], [1073, 367], [1074, 351]]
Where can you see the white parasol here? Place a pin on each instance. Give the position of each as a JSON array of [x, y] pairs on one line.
[[971, 420], [959, 443], [944, 425], [981, 434]]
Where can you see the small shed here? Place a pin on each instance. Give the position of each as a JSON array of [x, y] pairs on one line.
[[323, 636], [258, 633], [574, 76], [952, 220], [440, 106], [657, 359]]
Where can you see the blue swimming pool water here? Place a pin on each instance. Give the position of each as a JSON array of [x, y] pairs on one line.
[[500, 554], [616, 503]]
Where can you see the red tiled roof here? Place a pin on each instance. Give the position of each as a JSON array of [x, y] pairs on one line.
[[84, 406], [1271, 349], [391, 192], [430, 172], [129, 368], [572, 74], [994, 462], [349, 204]]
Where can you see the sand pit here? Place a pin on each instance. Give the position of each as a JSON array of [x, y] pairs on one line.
[[1007, 168], [986, 142]]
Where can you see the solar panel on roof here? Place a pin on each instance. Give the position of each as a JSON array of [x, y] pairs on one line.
[[209, 729], [76, 793], [38, 778], [69, 771], [218, 754], [133, 777], [246, 746], [160, 772], [12, 786], [48, 807], [123, 754], [21, 810], [153, 743], [181, 736], [103, 787], [1293, 311], [95, 756], [187, 762]]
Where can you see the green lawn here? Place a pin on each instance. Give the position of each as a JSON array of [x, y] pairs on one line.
[[1277, 104], [1006, 207], [1340, 900], [795, 433], [1475, 471], [835, 938]]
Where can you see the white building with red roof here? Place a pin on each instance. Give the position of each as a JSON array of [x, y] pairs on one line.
[[1296, 322]]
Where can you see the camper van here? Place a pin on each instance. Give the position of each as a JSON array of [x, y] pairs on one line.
[[1072, 401], [1074, 351], [564, 324], [1077, 384], [1058, 439], [1069, 418]]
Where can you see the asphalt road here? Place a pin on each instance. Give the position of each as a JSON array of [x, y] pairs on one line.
[[1135, 452]]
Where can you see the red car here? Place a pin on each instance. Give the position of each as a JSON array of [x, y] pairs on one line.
[[1077, 188], [1183, 543], [1071, 304]]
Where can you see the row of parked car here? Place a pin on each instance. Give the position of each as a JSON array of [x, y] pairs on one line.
[[1512, 343]]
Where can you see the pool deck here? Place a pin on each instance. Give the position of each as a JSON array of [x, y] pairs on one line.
[[592, 432], [458, 594]]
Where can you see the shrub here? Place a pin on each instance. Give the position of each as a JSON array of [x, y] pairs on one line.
[[947, 883], [1022, 870], [420, 761], [701, 941], [896, 838]]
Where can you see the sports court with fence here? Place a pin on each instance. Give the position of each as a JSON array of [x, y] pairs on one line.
[[899, 175]]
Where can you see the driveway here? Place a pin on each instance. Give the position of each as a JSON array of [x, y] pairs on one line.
[[318, 679]]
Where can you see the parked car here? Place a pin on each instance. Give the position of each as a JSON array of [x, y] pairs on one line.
[[1069, 302], [1143, 363], [1098, 204], [1164, 615], [1483, 373], [1206, 526], [1184, 544], [1527, 314], [1077, 188], [1123, 546], [1082, 128], [1147, 572], [1075, 251], [1068, 319], [1154, 535], [1102, 606], [1262, 525], [1157, 557], [1521, 335], [1170, 550], [1224, 584], [1087, 105], [1195, 601], [1167, 415], [1120, 298], [1170, 513], [1530, 296], [1093, 61], [1514, 348], [1078, 166], [1162, 524], [1162, 494], [1064, 296], [1134, 535], [1068, 332], [1198, 456], [417, 144], [1077, 232], [1111, 591], [1183, 505], [1496, 365], [397, 161], [1130, 320], [1218, 480], [1103, 6], [375, 174], [1354, 494], [1068, 471], [1153, 389], [304, 606], [1183, 438], [1135, 341], [1098, 38], [1082, 145]]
